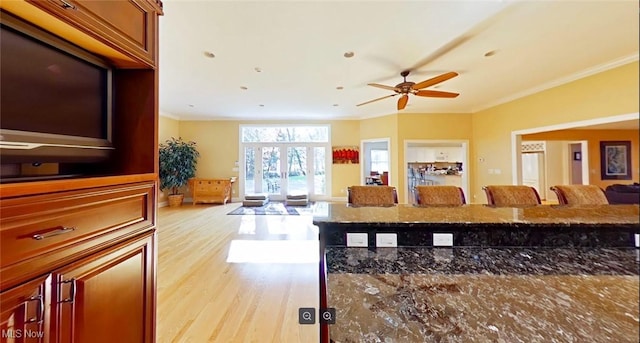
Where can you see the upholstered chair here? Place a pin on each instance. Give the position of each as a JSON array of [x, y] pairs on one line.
[[580, 195], [439, 195], [511, 195], [372, 195]]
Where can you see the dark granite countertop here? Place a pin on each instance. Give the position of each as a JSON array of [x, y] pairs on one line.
[[484, 294], [480, 214]]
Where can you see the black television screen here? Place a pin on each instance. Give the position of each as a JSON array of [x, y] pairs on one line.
[[47, 90], [55, 98]]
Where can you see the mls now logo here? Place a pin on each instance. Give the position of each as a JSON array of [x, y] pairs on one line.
[[19, 333]]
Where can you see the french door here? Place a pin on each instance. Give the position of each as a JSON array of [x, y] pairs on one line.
[[279, 169]]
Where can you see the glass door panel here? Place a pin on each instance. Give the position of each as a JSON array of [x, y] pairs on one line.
[[272, 172], [319, 171], [250, 170], [297, 170]]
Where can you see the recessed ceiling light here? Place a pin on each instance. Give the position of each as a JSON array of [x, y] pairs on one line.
[[257, 69], [349, 54], [243, 88], [335, 105], [191, 105], [490, 53], [209, 54], [261, 105], [339, 88]]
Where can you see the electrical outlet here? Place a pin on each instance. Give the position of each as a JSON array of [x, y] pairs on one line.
[[386, 240], [357, 240], [442, 239], [497, 171]]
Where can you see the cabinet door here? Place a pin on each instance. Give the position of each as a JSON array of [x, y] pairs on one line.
[[128, 26], [108, 297], [24, 312]]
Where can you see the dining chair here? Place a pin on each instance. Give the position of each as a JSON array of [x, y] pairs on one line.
[[580, 195], [440, 195], [372, 195], [511, 195]]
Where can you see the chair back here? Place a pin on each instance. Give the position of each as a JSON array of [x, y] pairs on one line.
[[511, 195], [372, 195], [580, 195], [440, 195]]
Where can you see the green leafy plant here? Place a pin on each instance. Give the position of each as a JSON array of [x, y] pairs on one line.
[[177, 164]]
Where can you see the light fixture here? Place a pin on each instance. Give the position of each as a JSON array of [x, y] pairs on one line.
[[349, 54], [191, 105], [257, 69], [261, 105], [209, 54], [335, 105], [490, 53], [339, 88], [243, 88]]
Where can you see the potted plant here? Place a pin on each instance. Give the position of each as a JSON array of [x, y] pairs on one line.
[[177, 165]]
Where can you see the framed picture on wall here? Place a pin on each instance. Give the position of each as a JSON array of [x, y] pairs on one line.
[[615, 160]]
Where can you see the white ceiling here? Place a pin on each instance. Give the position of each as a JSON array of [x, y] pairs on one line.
[[299, 47]]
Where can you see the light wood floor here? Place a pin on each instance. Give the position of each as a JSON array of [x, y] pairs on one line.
[[203, 298]]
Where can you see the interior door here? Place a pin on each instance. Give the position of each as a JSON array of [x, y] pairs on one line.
[[533, 171]]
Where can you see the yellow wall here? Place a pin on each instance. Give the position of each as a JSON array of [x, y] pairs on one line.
[[594, 137], [609, 93], [167, 128]]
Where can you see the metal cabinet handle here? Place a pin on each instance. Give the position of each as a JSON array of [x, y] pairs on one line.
[[67, 6], [72, 292], [39, 318], [57, 232]]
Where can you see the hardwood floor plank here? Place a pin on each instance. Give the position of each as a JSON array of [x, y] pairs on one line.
[[203, 298]]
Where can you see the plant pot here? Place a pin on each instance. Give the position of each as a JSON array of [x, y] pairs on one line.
[[175, 200]]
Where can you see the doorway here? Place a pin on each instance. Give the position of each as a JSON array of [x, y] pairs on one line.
[[376, 161], [281, 169]]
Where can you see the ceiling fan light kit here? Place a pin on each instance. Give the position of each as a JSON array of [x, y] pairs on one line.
[[407, 87]]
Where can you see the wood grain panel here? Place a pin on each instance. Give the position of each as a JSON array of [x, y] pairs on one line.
[[108, 297]]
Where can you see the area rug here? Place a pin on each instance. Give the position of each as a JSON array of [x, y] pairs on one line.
[[272, 207]]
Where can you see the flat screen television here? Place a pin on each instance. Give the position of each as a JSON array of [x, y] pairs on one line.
[[56, 98]]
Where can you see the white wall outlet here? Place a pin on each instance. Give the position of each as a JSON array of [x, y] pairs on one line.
[[637, 240], [386, 240], [357, 240], [442, 239], [497, 171]]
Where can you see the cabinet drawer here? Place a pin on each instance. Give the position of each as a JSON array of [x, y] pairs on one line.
[[37, 225], [128, 25]]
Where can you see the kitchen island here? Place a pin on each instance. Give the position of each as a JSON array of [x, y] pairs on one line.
[[533, 274]]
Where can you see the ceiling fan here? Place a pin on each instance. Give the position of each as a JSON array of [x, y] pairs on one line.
[[407, 87]]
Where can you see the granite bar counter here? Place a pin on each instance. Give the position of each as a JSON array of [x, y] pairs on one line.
[[534, 274]]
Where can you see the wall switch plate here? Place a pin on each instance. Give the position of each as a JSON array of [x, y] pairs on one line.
[[637, 240], [386, 240], [442, 239], [357, 240]]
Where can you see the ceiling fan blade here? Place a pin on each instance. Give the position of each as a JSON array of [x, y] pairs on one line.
[[370, 101], [436, 94], [434, 80], [395, 89], [402, 102]]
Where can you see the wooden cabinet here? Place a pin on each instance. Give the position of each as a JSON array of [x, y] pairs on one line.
[[210, 190], [23, 311], [78, 255], [128, 26], [107, 297]]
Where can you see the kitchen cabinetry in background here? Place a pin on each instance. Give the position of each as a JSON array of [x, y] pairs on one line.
[[431, 154]]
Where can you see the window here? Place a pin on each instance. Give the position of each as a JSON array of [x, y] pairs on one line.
[[379, 160]]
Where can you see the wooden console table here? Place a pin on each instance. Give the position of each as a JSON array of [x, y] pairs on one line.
[[211, 190]]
